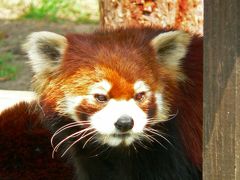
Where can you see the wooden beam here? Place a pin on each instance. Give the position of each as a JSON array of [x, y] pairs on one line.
[[9, 98], [221, 90]]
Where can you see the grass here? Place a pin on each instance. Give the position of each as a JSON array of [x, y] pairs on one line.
[[7, 71], [47, 9], [59, 10]]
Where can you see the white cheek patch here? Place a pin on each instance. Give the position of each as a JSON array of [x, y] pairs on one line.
[[103, 121], [162, 109], [159, 101], [69, 105]]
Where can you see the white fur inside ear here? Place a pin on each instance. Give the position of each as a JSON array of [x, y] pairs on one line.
[[44, 49], [171, 47]]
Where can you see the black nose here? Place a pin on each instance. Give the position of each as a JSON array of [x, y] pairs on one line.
[[124, 123]]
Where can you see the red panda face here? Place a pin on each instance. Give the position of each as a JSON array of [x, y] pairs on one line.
[[117, 120], [114, 87], [119, 110]]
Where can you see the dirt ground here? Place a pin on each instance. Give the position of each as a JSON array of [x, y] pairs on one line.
[[13, 34]]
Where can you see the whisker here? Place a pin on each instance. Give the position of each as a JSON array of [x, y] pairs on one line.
[[153, 131], [73, 135], [139, 142], [72, 123], [63, 129], [156, 120], [88, 140], [77, 142], [95, 141], [38, 104], [134, 147], [101, 152], [146, 136], [154, 139], [159, 132], [68, 137]]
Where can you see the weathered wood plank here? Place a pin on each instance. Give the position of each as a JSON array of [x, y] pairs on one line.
[[221, 91], [9, 98], [237, 134]]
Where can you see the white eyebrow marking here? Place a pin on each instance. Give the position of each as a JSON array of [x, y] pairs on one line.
[[140, 86], [102, 87], [68, 105]]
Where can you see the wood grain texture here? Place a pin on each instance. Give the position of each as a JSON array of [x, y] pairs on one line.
[[221, 90]]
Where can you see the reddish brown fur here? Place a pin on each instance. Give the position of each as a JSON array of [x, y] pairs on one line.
[[125, 56], [24, 145], [89, 109], [186, 98], [77, 56], [121, 88], [23, 117], [122, 57], [149, 102], [190, 102]]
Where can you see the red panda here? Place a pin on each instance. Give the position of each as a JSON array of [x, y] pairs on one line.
[[122, 104]]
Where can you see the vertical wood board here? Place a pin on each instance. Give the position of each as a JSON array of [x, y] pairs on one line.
[[221, 90]]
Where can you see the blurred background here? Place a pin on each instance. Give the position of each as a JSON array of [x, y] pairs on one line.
[[18, 18]]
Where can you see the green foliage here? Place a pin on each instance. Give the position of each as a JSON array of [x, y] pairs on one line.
[[47, 9], [58, 10], [7, 71]]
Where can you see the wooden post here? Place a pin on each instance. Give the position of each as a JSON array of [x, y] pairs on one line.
[[222, 90]]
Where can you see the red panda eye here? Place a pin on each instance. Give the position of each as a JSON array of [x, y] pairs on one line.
[[101, 97], [140, 96]]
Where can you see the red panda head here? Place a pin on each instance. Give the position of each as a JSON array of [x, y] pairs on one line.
[[115, 83]]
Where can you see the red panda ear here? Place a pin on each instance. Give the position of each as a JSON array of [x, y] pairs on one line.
[[171, 47], [45, 50]]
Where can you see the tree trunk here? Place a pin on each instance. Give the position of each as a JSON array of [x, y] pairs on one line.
[[180, 14]]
